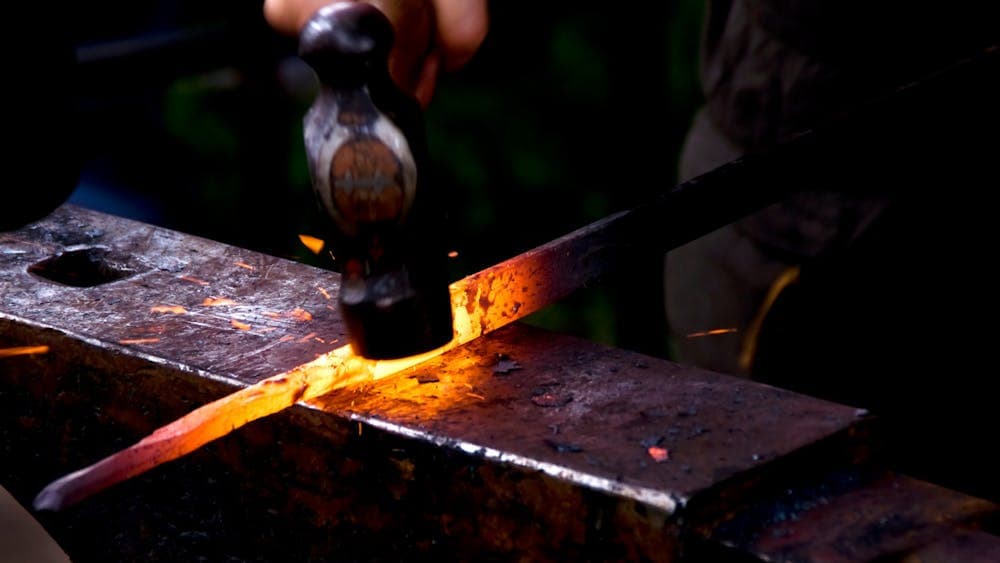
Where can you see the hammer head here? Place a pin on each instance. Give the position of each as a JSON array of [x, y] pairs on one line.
[[367, 157]]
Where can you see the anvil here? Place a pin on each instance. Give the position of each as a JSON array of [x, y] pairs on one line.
[[520, 444]]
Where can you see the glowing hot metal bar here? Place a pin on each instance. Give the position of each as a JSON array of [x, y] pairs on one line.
[[481, 302]]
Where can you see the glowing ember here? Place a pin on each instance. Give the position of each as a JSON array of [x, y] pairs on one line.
[[453, 254], [175, 309], [238, 325], [324, 292], [315, 245], [245, 266], [659, 454], [23, 351], [712, 332], [217, 301]]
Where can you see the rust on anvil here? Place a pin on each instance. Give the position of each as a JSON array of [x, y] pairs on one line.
[[228, 311]]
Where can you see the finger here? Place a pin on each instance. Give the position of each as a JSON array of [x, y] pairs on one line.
[[288, 16], [428, 79], [461, 27]]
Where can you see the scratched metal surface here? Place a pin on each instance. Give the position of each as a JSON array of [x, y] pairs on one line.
[[589, 414], [264, 314]]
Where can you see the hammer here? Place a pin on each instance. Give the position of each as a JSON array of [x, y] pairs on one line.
[[368, 163]]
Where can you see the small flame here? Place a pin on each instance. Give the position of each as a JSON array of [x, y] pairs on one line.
[[315, 245]]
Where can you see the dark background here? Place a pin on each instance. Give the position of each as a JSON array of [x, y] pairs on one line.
[[191, 118]]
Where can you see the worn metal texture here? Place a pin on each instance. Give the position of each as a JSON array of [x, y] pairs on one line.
[[520, 445], [848, 514], [231, 312], [967, 547], [590, 415]]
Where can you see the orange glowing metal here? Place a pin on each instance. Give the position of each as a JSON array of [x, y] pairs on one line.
[[315, 245], [214, 420], [23, 351], [139, 341], [713, 332], [658, 454], [217, 301], [175, 309], [481, 303]]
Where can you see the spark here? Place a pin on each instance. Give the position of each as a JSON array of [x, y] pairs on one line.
[[23, 351], [657, 453], [315, 245], [244, 265], [713, 332]]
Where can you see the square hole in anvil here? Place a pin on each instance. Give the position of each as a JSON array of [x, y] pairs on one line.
[[85, 267]]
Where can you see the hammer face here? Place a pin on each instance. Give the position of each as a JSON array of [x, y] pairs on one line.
[[395, 314]]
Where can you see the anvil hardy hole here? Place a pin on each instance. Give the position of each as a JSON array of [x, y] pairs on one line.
[[85, 267]]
